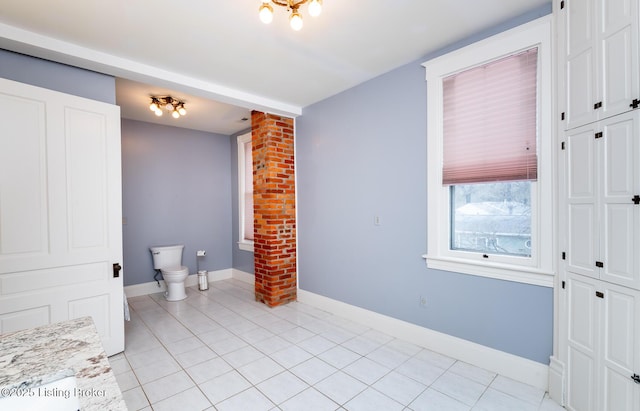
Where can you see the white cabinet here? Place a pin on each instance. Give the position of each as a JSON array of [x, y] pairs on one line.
[[602, 239], [599, 48], [603, 341], [602, 214], [599, 215]]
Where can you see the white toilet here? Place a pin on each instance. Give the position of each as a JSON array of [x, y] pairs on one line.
[[168, 259]]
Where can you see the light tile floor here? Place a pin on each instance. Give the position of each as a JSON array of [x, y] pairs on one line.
[[220, 350]]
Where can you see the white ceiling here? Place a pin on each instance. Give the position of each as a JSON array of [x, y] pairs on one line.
[[219, 57]]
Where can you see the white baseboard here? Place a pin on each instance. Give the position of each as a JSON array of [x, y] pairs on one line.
[[508, 365], [192, 280], [556, 380], [243, 276]]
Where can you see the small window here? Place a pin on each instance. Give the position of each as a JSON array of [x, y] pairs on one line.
[[245, 192]]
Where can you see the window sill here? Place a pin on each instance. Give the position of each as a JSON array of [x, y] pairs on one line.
[[497, 271], [245, 246]]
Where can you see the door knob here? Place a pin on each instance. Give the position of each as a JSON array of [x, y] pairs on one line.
[[116, 270]]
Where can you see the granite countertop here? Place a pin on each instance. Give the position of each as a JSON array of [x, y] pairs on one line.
[[42, 354]]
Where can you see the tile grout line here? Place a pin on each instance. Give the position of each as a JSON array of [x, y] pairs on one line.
[[298, 316]]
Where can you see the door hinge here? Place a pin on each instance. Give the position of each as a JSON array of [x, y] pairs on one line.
[[564, 255], [636, 378], [635, 103], [563, 285], [598, 134], [116, 270], [636, 199], [599, 264], [597, 105], [562, 5], [599, 294], [562, 116], [562, 146]]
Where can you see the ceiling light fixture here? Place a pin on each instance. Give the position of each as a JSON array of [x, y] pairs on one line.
[[295, 19], [174, 106]]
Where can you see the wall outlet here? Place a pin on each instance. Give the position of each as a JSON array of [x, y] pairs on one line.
[[423, 301]]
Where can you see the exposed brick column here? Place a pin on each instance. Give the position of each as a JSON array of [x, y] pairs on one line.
[[274, 208]]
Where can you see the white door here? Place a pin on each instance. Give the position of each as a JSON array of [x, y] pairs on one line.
[[618, 46], [60, 211], [603, 346], [582, 347], [620, 342], [620, 182], [602, 59], [581, 199], [581, 77], [603, 221]]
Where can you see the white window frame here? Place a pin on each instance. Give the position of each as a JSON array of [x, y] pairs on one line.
[[243, 243], [537, 269]]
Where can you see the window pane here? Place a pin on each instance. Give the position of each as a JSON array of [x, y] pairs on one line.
[[248, 192], [492, 218]]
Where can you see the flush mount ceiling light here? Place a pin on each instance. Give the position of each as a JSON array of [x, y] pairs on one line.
[[295, 19], [172, 105]]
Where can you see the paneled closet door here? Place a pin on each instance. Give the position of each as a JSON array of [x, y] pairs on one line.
[[620, 176], [602, 65], [581, 202], [582, 349], [620, 319], [581, 76], [603, 341], [619, 48]]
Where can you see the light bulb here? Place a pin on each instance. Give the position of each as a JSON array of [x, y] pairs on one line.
[[169, 107], [153, 106], [315, 8], [295, 20], [266, 13], [158, 113], [182, 110], [175, 114]]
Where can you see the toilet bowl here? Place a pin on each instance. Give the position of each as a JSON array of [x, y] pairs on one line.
[[174, 279], [168, 260]]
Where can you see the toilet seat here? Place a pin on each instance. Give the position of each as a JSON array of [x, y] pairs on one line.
[[174, 270]]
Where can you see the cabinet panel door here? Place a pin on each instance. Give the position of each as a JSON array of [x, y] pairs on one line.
[[620, 349], [582, 344], [618, 44], [619, 242], [580, 67], [581, 202]]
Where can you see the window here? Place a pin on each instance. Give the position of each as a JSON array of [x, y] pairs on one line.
[[245, 192], [489, 157]]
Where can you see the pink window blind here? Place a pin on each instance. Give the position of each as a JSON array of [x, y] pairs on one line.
[[248, 192], [490, 121]]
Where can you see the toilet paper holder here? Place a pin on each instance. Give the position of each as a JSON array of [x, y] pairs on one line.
[[203, 279]]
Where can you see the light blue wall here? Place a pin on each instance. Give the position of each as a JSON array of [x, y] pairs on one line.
[[361, 154], [195, 168], [176, 190], [58, 77], [242, 260]]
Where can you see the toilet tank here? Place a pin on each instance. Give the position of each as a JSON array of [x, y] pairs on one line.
[[166, 256]]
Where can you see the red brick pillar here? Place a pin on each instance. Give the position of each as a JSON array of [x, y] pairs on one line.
[[274, 208]]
